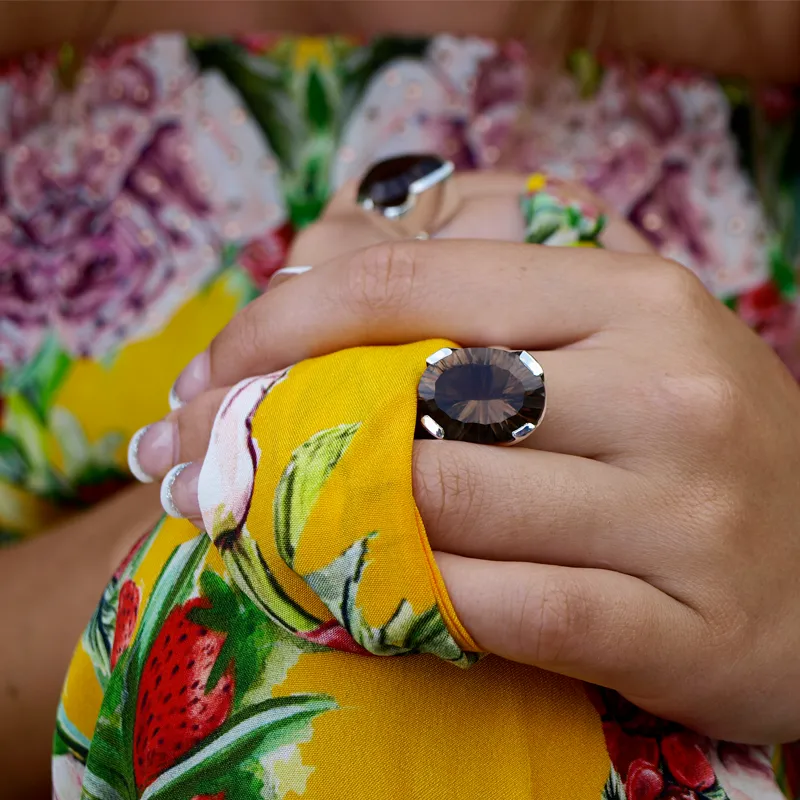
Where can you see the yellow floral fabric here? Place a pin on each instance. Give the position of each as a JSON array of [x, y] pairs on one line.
[[333, 720], [251, 661]]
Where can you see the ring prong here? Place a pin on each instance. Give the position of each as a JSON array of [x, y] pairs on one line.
[[523, 430], [433, 427], [438, 356], [531, 363]]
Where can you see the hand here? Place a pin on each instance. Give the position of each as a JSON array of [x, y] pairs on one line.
[[650, 541]]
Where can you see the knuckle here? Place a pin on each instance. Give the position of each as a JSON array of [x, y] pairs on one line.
[[554, 617], [671, 286], [381, 278], [240, 336], [194, 422], [707, 405], [445, 487]]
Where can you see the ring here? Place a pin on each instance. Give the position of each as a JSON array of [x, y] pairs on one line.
[[409, 196], [484, 395]]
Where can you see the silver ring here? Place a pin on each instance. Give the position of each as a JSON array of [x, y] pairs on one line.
[[485, 395], [409, 196]]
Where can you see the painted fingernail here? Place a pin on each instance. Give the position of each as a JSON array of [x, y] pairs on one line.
[[283, 275], [133, 457], [194, 380], [179, 490], [152, 449]]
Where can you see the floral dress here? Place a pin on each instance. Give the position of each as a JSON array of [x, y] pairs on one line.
[[148, 195]]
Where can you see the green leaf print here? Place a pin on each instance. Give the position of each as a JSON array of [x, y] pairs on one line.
[[247, 736], [67, 738], [362, 64], [614, 788], [40, 378], [406, 632], [250, 635], [25, 425], [302, 481], [110, 774], [14, 464], [318, 106], [98, 635], [109, 771], [176, 582], [249, 571], [716, 792], [586, 70], [263, 86]]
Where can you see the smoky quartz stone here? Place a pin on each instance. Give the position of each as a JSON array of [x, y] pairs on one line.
[[481, 394], [388, 183]]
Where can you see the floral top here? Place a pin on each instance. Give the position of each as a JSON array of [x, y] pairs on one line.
[[147, 196]]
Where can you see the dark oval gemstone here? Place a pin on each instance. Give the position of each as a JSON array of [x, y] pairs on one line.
[[482, 395], [388, 182]]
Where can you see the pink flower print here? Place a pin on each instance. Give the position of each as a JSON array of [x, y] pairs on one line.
[[116, 199]]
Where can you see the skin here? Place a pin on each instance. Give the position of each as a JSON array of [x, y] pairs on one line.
[[49, 588], [751, 38], [654, 548], [754, 39]]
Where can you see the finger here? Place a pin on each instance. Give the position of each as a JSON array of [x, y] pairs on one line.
[[596, 625], [495, 217], [571, 426], [477, 293], [331, 238], [512, 504], [469, 185], [181, 436]]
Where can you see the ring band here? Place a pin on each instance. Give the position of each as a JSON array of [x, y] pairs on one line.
[[409, 196], [485, 395]]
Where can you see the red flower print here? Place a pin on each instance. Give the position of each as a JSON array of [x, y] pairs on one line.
[[644, 781], [654, 758], [262, 257], [687, 761], [624, 750], [332, 634]]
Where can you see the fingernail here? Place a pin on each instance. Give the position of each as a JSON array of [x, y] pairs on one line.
[[151, 451], [194, 380], [283, 275], [179, 490]]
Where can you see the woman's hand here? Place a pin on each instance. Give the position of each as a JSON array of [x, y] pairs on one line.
[[647, 536]]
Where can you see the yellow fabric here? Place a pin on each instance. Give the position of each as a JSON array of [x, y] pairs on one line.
[[411, 727], [370, 488]]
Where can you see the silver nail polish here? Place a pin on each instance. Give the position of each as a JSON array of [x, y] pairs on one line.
[[133, 457], [174, 401], [281, 275], [167, 503]]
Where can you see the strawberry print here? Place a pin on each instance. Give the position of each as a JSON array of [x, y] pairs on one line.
[[127, 611], [655, 759], [176, 708]]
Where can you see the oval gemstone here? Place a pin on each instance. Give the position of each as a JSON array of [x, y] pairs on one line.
[[481, 394], [388, 182]]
